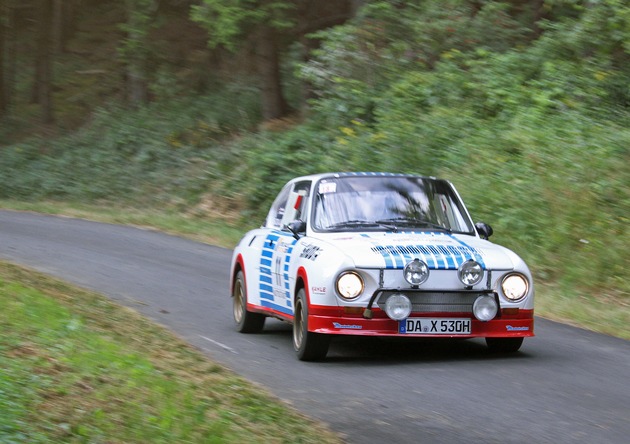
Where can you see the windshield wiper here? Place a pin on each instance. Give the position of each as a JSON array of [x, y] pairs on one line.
[[407, 221], [352, 223]]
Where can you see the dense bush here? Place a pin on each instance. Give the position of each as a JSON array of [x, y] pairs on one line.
[[164, 152]]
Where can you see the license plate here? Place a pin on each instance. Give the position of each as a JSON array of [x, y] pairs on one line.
[[437, 326]]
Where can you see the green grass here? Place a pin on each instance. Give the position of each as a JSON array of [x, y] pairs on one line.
[[603, 313], [212, 229], [75, 367]]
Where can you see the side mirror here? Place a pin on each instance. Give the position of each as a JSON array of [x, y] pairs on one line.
[[484, 230], [296, 227]]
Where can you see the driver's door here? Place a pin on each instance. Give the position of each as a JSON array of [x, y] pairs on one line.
[[283, 242]]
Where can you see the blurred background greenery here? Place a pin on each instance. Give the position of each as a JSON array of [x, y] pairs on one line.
[[206, 107]]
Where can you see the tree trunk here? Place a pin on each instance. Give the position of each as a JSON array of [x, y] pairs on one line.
[[10, 53], [274, 105], [43, 72], [7, 55], [137, 92], [57, 26], [3, 85], [539, 14], [139, 21]]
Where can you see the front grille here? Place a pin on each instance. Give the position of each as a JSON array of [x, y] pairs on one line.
[[434, 302]]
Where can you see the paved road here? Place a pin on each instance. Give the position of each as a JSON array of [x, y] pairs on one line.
[[566, 385]]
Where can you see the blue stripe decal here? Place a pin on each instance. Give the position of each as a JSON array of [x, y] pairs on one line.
[[266, 295], [388, 262], [277, 307], [436, 256], [472, 252], [268, 287], [287, 260]]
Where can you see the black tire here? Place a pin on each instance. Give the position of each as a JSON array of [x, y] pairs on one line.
[[309, 346], [504, 345], [246, 321]]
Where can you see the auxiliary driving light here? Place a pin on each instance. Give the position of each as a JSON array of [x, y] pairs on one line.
[[470, 273], [398, 307], [485, 308], [416, 272]]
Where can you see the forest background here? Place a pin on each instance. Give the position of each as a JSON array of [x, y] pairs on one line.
[[198, 111]]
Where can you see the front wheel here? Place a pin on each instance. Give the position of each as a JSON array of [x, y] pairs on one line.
[[309, 346], [246, 321], [504, 345]]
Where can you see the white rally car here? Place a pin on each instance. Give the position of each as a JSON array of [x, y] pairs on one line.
[[379, 254]]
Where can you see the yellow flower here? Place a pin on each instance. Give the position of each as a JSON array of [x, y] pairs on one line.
[[376, 137], [348, 131], [601, 75]]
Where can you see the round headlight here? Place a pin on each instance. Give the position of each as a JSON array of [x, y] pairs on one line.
[[398, 307], [485, 308], [470, 273], [349, 285], [416, 272], [514, 286]]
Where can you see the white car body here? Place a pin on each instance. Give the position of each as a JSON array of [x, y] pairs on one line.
[[277, 266]]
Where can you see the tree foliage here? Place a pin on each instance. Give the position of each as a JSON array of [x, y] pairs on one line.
[[272, 26], [228, 21]]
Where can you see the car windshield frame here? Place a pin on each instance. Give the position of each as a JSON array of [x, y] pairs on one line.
[[398, 203]]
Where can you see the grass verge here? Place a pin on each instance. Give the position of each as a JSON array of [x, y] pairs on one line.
[[603, 314], [212, 230], [75, 367]]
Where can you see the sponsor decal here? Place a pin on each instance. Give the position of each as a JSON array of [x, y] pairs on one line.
[[318, 290], [281, 246], [347, 326], [511, 328], [327, 187], [310, 252]]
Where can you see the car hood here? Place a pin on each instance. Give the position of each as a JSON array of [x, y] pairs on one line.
[[437, 249]]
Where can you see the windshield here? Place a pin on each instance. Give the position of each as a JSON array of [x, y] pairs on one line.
[[378, 203]]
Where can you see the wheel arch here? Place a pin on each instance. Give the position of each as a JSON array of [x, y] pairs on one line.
[[301, 282], [238, 266]]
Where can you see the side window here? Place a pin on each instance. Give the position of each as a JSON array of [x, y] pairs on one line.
[[297, 203], [276, 213]]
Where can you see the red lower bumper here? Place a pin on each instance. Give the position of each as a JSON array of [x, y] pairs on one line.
[[336, 322]]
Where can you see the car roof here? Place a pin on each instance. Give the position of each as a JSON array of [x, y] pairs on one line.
[[315, 177]]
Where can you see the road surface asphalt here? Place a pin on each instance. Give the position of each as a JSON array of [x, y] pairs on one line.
[[566, 385]]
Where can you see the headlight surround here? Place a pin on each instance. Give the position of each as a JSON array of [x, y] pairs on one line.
[[350, 285], [515, 286], [398, 307], [416, 272], [470, 273]]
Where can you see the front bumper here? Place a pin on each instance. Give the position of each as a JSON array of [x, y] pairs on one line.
[[337, 321]]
